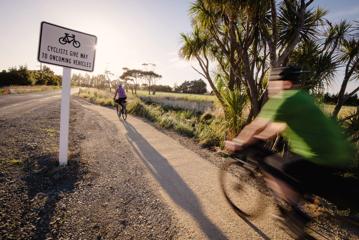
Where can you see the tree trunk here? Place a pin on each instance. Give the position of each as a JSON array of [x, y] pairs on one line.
[[341, 94], [253, 91], [340, 101]]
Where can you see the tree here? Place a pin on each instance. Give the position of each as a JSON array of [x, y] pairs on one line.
[[108, 75], [199, 87], [336, 48], [134, 75], [162, 88], [349, 55], [24, 76], [195, 87], [150, 77], [243, 39]]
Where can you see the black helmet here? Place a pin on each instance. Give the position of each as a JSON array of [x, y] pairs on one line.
[[291, 73]]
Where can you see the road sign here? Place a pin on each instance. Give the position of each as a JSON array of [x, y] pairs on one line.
[[66, 47], [71, 49]]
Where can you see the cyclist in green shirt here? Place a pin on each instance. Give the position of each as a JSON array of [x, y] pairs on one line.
[[317, 146]]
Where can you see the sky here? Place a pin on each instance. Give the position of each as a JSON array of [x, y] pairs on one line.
[[129, 32]]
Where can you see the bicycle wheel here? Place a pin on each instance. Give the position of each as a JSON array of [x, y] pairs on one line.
[[124, 114], [118, 112], [76, 44], [62, 40], [243, 196]]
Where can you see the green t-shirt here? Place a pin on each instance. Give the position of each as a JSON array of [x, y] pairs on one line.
[[309, 132]]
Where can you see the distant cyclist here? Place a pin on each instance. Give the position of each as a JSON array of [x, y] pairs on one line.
[[120, 97], [318, 149]]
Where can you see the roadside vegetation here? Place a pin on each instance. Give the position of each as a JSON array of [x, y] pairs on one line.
[[22, 76], [96, 96], [208, 128], [22, 80]]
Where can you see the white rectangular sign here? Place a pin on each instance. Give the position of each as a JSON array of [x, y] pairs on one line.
[[66, 47]]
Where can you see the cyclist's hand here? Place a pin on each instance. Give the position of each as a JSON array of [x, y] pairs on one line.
[[233, 146]]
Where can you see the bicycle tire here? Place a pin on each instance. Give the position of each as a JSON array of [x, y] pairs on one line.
[[62, 40], [118, 112], [244, 199], [124, 114], [76, 44]]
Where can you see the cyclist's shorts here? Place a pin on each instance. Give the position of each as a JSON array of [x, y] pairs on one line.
[[121, 100]]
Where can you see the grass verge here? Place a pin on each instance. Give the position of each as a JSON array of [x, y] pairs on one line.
[[205, 128], [96, 96]]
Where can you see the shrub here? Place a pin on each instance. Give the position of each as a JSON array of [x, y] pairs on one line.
[[235, 102], [184, 129], [167, 122], [150, 112], [211, 134]]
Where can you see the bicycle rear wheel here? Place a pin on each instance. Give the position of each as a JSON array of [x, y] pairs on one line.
[[240, 186], [124, 114], [118, 112]]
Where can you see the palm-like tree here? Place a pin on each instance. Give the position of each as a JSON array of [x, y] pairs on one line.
[[197, 46], [244, 38], [349, 55], [320, 65]]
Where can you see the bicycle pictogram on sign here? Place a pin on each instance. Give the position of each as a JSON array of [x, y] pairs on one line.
[[69, 38]]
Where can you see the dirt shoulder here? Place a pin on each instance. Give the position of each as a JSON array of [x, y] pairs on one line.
[[102, 194]]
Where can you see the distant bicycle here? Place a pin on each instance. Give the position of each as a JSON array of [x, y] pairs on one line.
[[122, 111], [68, 39]]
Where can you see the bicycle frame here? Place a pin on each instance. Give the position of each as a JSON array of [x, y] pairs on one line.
[[254, 165]]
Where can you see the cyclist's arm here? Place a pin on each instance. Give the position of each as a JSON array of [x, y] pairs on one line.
[[246, 136], [114, 97], [270, 131]]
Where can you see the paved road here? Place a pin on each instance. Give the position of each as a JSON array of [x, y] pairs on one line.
[[7, 100], [17, 103]]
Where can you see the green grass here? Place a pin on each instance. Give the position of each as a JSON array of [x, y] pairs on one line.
[[100, 97], [207, 130]]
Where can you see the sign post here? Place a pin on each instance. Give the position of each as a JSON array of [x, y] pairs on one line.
[[65, 115], [70, 49]]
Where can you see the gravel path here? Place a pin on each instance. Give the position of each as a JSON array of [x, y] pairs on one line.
[[102, 194]]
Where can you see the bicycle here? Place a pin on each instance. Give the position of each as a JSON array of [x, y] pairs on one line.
[[245, 196], [69, 39], [123, 111]]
